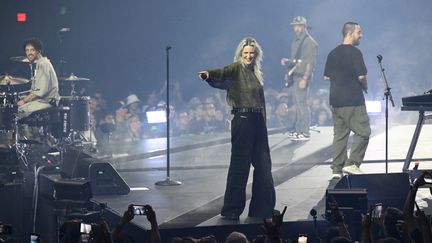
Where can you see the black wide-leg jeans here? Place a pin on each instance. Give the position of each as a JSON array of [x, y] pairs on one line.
[[249, 143]]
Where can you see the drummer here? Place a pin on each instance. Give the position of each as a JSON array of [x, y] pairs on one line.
[[44, 83]]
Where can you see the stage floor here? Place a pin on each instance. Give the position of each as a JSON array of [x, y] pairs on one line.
[[301, 172]]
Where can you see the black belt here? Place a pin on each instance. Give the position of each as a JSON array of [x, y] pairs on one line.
[[247, 110]]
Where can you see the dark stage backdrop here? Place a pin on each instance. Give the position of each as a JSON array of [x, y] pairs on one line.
[[120, 45]]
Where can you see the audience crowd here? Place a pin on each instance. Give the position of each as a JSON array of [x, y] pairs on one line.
[[134, 118]]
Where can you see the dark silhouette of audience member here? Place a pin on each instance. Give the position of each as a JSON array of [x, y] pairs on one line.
[[411, 231], [100, 233], [236, 237], [70, 232], [128, 215], [338, 219], [331, 233], [206, 239], [272, 229], [341, 239]]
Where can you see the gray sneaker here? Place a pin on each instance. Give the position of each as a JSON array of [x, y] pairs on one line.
[[352, 170]]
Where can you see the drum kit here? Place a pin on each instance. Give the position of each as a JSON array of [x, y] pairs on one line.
[[63, 122]]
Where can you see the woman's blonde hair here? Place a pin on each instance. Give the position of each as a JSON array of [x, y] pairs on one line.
[[249, 41]]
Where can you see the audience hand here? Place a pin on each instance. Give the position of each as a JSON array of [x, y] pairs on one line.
[[420, 181], [337, 216], [277, 217], [151, 215], [272, 228]]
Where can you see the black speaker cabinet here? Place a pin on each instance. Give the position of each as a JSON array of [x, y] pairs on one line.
[[104, 179], [54, 187], [389, 189]]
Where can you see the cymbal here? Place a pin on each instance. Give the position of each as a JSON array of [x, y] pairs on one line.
[[19, 59], [72, 77], [11, 80]]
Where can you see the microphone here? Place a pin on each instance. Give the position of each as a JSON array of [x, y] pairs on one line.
[[379, 58], [168, 47], [313, 213], [64, 29], [203, 76]]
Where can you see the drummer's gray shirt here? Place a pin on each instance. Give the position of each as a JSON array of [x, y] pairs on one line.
[[45, 83]]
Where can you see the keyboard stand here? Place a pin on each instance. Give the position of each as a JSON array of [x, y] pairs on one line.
[[420, 122]]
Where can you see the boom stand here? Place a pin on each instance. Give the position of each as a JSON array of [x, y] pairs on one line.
[[168, 181], [387, 94]]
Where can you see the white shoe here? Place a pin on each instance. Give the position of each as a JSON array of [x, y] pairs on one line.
[[292, 134], [352, 170], [337, 175], [301, 137]]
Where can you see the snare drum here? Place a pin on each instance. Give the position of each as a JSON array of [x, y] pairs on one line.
[[79, 111]]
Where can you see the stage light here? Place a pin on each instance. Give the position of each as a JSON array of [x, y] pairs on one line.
[[21, 17]]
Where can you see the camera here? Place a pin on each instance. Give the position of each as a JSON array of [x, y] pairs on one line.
[[377, 211], [34, 238], [5, 229], [139, 210]]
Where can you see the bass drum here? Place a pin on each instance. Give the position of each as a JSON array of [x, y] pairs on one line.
[[79, 111]]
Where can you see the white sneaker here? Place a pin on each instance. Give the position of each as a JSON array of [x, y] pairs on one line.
[[337, 175], [301, 137], [352, 170], [292, 134]]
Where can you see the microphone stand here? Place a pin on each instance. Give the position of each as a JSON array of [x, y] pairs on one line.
[[313, 213], [168, 181], [388, 95]]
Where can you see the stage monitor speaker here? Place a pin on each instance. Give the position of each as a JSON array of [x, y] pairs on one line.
[[104, 179], [56, 188], [70, 163], [389, 189]]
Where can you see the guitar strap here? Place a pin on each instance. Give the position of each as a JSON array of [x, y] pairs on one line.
[[297, 55], [288, 78]]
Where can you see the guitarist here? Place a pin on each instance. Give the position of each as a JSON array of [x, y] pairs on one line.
[[300, 67]]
